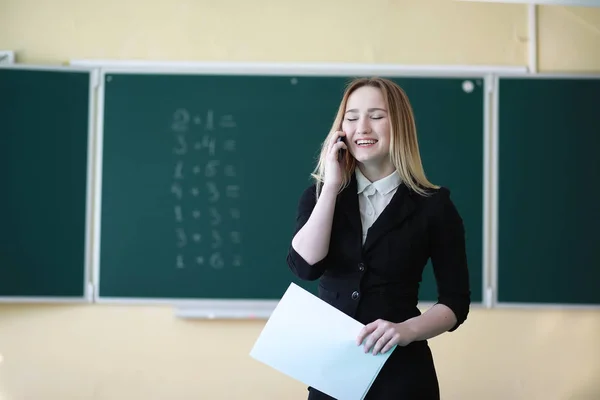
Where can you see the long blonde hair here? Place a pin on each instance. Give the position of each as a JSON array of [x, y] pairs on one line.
[[404, 147]]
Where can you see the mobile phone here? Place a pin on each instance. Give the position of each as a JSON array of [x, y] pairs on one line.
[[341, 151]]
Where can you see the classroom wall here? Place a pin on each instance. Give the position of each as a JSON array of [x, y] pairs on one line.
[[58, 352]]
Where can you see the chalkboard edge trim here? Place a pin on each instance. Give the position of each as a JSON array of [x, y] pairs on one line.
[[49, 67], [211, 313], [44, 300], [286, 68], [222, 308], [505, 305], [93, 198], [550, 75], [492, 212], [96, 214]]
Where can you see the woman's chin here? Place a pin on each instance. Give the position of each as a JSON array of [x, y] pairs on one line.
[[367, 158]]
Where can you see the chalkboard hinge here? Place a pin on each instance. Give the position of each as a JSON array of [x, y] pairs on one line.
[[91, 291], [489, 297], [95, 75], [489, 84]]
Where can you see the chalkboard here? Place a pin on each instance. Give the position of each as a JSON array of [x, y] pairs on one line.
[[201, 176], [549, 199], [44, 138]]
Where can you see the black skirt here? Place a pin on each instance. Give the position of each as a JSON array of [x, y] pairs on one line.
[[408, 374]]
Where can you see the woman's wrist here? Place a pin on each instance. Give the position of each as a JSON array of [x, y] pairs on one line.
[[330, 189]]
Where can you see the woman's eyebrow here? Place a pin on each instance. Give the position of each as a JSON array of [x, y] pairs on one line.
[[369, 110]]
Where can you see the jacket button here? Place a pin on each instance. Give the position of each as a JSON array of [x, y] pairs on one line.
[[361, 267], [355, 295]]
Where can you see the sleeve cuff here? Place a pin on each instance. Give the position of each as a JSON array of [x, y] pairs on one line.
[[303, 269], [460, 308]]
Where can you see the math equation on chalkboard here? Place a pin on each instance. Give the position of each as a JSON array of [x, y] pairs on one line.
[[206, 190]]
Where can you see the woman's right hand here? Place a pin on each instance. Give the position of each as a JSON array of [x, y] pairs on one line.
[[312, 240], [333, 168]]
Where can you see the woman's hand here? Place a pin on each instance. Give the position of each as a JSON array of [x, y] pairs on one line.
[[382, 335], [333, 169]]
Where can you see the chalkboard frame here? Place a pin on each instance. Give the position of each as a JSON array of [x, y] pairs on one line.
[[212, 308], [494, 184], [87, 285]]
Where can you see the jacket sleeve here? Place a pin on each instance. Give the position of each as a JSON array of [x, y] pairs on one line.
[[295, 261], [449, 257]]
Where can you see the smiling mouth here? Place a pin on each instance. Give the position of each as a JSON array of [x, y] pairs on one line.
[[366, 142]]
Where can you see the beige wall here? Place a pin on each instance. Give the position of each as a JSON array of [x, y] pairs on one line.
[[122, 352]]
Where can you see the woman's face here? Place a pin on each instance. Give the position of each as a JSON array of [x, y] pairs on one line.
[[367, 126]]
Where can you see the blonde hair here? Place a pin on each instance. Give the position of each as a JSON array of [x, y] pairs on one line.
[[404, 147]]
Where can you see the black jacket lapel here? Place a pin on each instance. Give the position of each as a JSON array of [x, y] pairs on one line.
[[400, 207], [348, 204]]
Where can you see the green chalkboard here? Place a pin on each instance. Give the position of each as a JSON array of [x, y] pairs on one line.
[[44, 165], [450, 122], [201, 176], [549, 200]]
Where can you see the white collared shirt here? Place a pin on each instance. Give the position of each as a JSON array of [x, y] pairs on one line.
[[373, 197]]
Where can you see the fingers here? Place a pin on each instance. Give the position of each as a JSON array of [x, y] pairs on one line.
[[374, 337], [386, 341], [380, 336], [334, 141], [368, 329], [335, 148], [371, 333], [338, 134], [394, 340]]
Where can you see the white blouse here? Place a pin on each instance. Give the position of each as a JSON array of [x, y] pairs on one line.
[[373, 197]]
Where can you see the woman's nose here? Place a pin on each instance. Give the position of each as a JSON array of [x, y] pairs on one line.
[[363, 126]]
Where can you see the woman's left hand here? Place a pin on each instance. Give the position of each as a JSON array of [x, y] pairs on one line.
[[382, 335]]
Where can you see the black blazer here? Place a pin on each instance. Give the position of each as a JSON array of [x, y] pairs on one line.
[[381, 279]]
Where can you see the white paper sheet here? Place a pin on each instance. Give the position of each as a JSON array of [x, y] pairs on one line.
[[315, 343]]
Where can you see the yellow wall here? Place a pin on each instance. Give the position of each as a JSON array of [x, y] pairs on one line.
[[123, 352]]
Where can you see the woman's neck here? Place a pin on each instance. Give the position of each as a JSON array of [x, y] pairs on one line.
[[375, 172]]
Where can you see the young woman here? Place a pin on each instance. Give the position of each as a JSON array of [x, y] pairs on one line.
[[367, 227]]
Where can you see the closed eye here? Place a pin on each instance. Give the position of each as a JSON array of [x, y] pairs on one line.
[[372, 117]]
